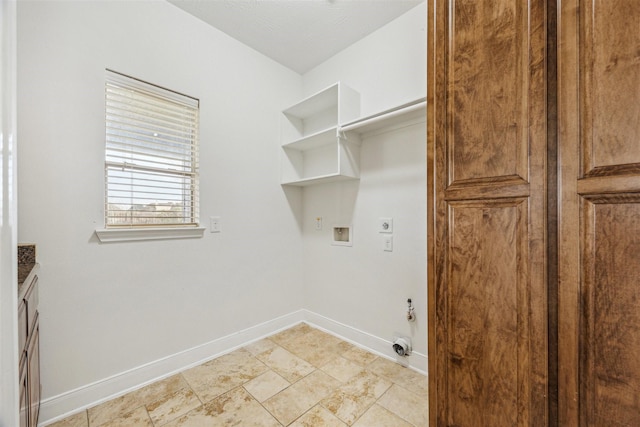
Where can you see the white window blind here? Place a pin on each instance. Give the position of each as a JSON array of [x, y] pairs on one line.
[[151, 162]]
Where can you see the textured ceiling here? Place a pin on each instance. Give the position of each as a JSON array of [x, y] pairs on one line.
[[299, 34]]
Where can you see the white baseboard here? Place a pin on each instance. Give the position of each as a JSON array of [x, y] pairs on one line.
[[381, 347], [61, 406]]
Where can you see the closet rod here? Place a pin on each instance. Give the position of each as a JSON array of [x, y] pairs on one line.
[[398, 111]]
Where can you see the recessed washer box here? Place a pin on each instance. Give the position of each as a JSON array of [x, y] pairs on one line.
[[342, 235]]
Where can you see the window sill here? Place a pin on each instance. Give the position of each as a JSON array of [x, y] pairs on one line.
[[109, 235]]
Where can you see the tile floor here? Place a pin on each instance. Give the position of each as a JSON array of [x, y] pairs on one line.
[[301, 377]]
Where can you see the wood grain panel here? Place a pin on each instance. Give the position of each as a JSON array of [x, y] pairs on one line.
[[610, 345], [487, 324], [599, 207], [611, 72], [487, 154], [487, 93]]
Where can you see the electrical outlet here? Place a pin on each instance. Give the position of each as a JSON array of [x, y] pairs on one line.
[[385, 225]]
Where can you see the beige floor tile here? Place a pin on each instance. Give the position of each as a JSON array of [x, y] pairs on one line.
[[407, 405], [137, 418], [235, 408], [377, 416], [356, 354], [318, 417], [288, 337], [125, 404], [342, 369], [220, 375], [303, 377], [78, 420], [160, 389], [352, 399], [316, 347], [261, 346], [196, 418], [266, 385], [406, 377], [294, 401], [324, 338], [173, 406], [111, 409], [290, 367]]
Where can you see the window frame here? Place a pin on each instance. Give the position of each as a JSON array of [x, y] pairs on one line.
[[190, 174]]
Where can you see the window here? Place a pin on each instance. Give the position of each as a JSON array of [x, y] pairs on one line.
[[151, 161]]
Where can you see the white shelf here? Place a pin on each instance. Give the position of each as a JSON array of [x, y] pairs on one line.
[[314, 140], [402, 115], [316, 148], [312, 150], [314, 104], [320, 179]]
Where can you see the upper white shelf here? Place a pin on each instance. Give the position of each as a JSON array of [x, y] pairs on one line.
[[312, 150], [321, 111], [314, 104], [410, 112]]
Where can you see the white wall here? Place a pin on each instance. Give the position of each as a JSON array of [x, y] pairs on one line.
[[362, 286], [9, 396], [388, 67], [109, 308]]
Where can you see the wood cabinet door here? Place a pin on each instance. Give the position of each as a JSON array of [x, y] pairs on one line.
[[24, 394], [487, 228], [33, 377], [599, 215]]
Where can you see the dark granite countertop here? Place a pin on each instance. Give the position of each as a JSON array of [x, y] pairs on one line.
[[26, 264], [23, 272]]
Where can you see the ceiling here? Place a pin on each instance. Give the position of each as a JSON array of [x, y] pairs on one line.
[[299, 34]]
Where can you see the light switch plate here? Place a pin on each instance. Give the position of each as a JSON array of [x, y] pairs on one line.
[[385, 225], [214, 224], [388, 243]]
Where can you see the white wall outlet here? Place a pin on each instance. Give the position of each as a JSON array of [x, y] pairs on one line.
[[318, 223], [214, 224], [387, 243], [385, 225]]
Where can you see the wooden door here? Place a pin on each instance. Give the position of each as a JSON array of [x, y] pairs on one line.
[[599, 215], [487, 228]]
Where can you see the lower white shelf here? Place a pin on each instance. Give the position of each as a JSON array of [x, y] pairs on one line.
[[329, 163], [335, 177]]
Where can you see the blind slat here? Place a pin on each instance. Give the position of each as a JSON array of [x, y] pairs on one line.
[[136, 115], [122, 95], [130, 167], [151, 134], [137, 146], [137, 158]]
